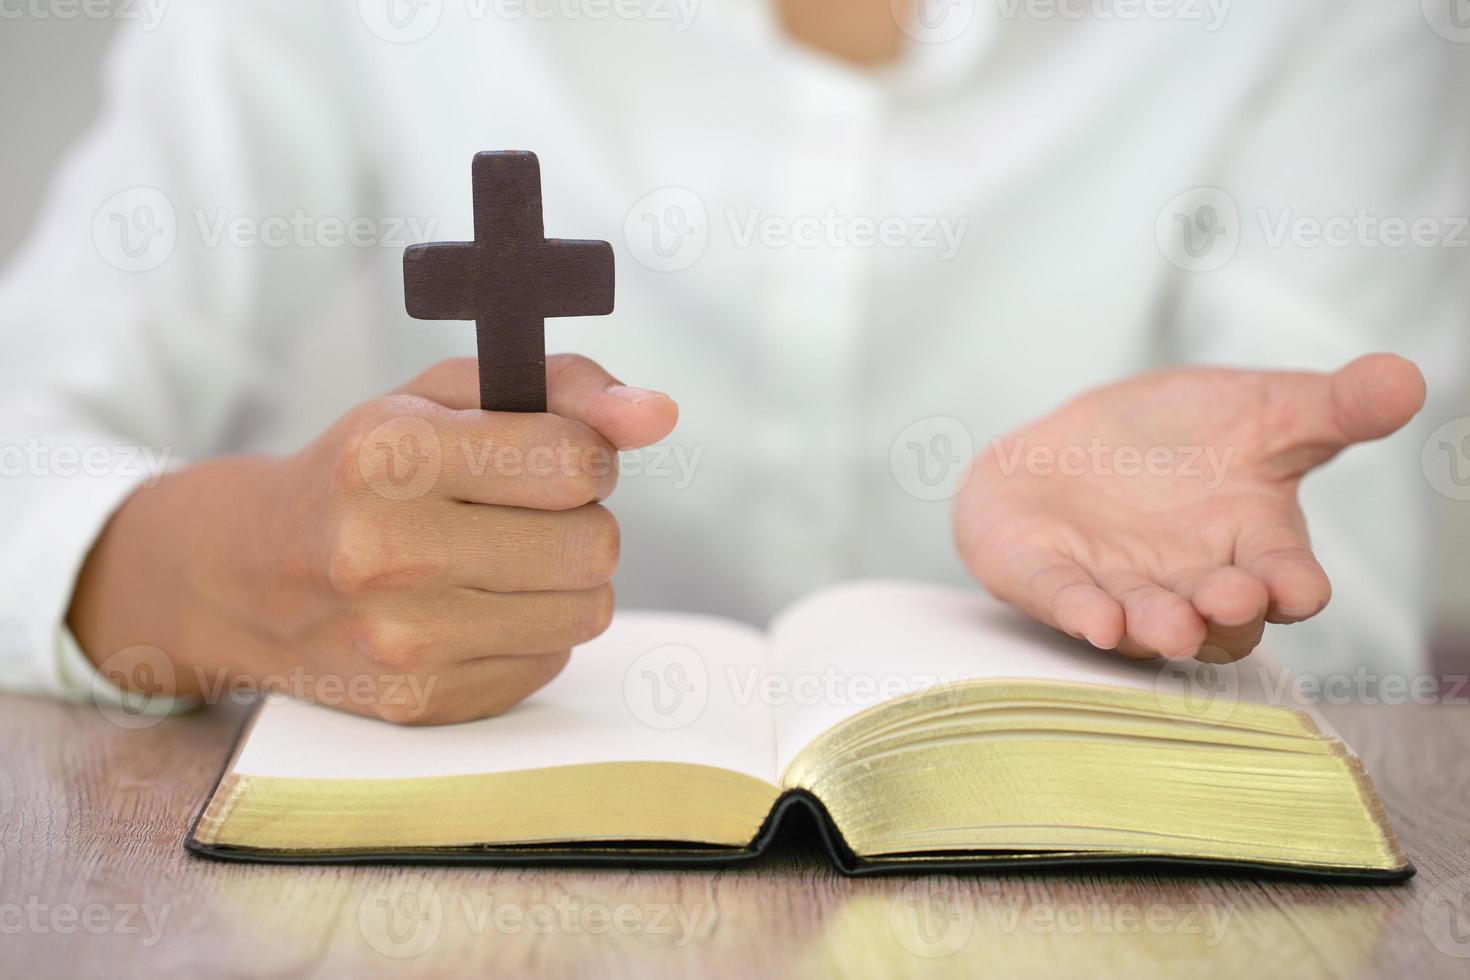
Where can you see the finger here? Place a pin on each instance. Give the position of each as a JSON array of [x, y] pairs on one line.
[[1282, 559], [1233, 604], [1319, 415], [629, 418], [462, 625], [484, 688], [505, 549], [1058, 592], [494, 624], [1376, 395], [407, 446], [577, 388], [453, 383], [1158, 622], [473, 689]]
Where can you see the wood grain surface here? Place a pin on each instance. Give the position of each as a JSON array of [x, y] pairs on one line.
[[94, 882]]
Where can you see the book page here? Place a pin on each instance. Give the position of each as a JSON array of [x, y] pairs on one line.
[[641, 692], [851, 646]]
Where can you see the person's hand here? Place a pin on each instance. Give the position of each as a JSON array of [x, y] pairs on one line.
[[422, 561], [1159, 516]]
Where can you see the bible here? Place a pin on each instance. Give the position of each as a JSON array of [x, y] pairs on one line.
[[926, 728]]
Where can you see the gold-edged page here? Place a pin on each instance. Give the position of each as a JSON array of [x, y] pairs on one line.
[[630, 742], [960, 726], [867, 642]]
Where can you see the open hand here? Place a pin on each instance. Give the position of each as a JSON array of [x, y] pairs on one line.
[[1159, 516]]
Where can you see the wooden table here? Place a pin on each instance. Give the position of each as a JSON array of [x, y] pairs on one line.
[[94, 882]]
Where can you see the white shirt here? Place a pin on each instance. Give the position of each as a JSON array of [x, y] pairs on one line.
[[850, 280]]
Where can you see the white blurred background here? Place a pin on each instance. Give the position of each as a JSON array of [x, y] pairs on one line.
[[49, 94]]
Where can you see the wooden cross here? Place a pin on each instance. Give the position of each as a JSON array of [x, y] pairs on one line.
[[508, 280]]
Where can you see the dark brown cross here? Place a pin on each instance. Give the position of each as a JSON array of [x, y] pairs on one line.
[[508, 280]]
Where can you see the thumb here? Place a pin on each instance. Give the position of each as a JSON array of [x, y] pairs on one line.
[[629, 418], [1317, 416], [1375, 396], [576, 388]]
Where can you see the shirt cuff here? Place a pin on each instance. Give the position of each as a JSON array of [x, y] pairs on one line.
[[82, 681], [61, 519]]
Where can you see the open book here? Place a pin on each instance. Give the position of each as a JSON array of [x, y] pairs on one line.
[[925, 727]]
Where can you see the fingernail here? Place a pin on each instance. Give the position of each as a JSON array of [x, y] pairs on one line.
[[627, 394], [1089, 639]]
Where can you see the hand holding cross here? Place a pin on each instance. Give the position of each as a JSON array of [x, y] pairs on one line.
[[508, 280]]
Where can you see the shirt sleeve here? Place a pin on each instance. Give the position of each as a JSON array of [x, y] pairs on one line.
[[137, 336], [1332, 224]]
